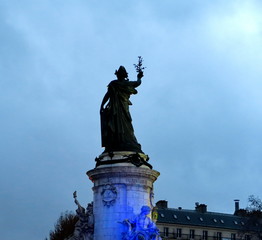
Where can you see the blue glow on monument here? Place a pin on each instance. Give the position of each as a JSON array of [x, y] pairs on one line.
[[141, 227]]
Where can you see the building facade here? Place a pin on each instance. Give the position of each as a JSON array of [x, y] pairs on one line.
[[200, 224]]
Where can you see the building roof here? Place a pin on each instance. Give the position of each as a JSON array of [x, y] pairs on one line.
[[198, 218]]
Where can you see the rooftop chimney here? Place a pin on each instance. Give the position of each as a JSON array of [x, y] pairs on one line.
[[162, 204], [202, 208], [236, 205]]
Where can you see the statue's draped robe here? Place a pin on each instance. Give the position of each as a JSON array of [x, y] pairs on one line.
[[116, 121]]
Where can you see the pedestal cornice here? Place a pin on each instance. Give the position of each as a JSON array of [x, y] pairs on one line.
[[123, 171]]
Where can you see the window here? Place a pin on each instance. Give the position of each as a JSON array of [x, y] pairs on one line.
[[166, 231], [205, 235], [233, 236], [179, 232], [187, 217], [247, 237], [201, 219], [219, 236], [192, 234]]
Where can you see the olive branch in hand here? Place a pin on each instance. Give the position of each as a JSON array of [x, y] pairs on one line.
[[138, 66]]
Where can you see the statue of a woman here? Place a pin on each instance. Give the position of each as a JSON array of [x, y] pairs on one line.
[[116, 122]]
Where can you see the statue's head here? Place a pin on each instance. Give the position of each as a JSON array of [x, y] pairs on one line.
[[89, 207], [121, 73], [145, 210]]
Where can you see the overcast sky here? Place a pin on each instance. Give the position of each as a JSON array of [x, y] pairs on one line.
[[197, 114]]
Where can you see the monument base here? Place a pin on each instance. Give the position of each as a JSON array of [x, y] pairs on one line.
[[109, 158], [120, 190]]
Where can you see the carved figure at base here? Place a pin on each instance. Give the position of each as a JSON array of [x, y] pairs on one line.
[[141, 227], [84, 227]]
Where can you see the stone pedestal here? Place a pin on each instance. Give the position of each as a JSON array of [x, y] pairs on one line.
[[120, 190]]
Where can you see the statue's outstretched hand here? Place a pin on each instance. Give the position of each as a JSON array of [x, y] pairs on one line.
[[140, 75], [74, 194]]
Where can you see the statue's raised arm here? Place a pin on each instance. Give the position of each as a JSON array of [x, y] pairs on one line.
[[80, 208]]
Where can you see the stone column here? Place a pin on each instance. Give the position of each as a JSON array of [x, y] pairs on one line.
[[120, 190]]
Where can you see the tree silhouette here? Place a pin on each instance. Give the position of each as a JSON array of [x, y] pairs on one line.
[[253, 215], [64, 226]]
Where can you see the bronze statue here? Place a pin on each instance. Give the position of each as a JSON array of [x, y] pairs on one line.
[[116, 122]]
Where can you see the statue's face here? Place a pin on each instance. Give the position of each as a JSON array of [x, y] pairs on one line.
[[145, 210], [89, 208], [122, 75], [125, 74]]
